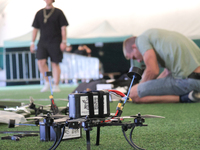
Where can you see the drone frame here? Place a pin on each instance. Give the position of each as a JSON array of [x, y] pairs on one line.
[[88, 123]]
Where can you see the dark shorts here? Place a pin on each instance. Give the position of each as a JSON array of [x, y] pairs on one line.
[[51, 50]]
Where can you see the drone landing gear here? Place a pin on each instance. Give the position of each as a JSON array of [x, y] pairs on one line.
[[88, 136], [98, 135], [130, 141], [125, 126]]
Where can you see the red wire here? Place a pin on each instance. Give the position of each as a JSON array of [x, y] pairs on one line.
[[117, 92], [116, 113]]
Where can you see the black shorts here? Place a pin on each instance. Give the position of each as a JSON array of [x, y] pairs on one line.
[[51, 50]]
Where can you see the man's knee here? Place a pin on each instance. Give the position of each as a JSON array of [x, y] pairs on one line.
[[136, 100], [56, 68], [54, 64], [134, 94], [42, 62]]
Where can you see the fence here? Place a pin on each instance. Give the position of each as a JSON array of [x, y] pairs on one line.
[[22, 66], [79, 67]]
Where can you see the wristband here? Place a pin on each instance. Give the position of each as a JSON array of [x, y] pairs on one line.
[[32, 43], [64, 41]]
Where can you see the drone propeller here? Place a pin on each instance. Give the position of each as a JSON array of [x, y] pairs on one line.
[[57, 116], [32, 121], [147, 116], [51, 116], [123, 117], [142, 116], [77, 120], [64, 119], [36, 117]]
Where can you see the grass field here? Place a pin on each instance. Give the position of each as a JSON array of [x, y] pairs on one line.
[[180, 130]]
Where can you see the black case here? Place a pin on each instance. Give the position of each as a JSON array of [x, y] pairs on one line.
[[44, 132], [79, 105]]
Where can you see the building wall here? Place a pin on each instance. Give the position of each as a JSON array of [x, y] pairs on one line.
[[1, 58]]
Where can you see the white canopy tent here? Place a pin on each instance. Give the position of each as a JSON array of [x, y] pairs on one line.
[[100, 21], [104, 33], [128, 17]]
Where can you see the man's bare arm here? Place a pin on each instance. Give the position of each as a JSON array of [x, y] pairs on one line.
[[152, 68], [34, 35], [88, 50], [165, 73], [64, 38]]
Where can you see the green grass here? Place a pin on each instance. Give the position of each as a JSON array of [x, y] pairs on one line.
[[180, 130]]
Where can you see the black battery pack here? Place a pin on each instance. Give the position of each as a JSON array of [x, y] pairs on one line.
[[92, 104], [55, 132], [44, 132]]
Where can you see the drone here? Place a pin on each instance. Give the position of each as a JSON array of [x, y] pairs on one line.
[[91, 109]]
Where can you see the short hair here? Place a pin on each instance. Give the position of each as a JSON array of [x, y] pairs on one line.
[[127, 45]]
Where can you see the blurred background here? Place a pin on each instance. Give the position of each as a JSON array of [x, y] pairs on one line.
[[102, 26]]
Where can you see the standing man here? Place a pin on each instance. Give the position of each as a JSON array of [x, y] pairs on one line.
[[52, 24], [180, 56]]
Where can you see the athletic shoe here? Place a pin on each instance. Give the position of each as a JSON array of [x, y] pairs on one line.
[[194, 96], [56, 88], [46, 87]]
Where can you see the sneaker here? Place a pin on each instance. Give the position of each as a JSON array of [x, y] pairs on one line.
[[46, 87], [194, 96], [56, 88]]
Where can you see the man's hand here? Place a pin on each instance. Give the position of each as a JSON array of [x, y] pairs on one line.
[[164, 74], [32, 48], [34, 34], [63, 46], [152, 68]]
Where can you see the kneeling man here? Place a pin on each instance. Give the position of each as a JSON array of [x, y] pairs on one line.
[[180, 58]]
